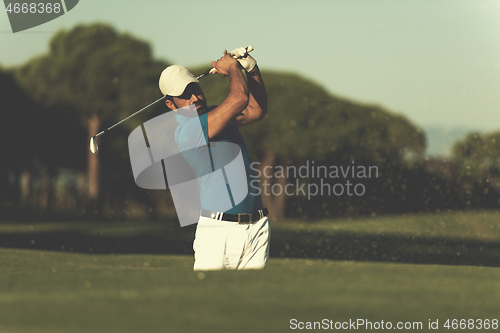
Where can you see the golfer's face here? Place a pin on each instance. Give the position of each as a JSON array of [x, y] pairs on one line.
[[192, 95]]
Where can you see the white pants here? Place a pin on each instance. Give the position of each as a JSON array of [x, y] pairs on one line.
[[229, 245]]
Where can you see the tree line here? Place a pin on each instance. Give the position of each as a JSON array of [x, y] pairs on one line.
[[93, 76]]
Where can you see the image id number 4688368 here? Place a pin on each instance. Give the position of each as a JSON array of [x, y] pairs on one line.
[[33, 8]]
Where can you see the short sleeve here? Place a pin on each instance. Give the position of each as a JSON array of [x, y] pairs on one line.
[[192, 133]]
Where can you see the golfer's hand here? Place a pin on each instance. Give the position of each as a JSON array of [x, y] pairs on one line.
[[246, 61], [224, 65]]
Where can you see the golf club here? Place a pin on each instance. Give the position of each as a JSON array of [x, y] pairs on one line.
[[93, 143]]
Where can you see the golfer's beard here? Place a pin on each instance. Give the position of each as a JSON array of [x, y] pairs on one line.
[[202, 110]]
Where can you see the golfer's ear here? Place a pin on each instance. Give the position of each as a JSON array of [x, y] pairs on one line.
[[170, 104]]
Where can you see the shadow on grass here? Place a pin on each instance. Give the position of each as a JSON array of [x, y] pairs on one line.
[[155, 240], [387, 248], [284, 243]]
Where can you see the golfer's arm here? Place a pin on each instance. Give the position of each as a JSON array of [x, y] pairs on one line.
[[235, 102], [257, 102]]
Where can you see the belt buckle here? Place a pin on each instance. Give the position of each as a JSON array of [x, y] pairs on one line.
[[239, 219]]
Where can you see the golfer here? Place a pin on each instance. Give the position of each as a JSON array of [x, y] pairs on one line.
[[236, 238]]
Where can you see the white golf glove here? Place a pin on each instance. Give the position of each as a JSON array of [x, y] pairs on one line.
[[247, 62]]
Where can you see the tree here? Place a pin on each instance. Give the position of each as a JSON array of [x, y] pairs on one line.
[[96, 72], [18, 152], [477, 160]]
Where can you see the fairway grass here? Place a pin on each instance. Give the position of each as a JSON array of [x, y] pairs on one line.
[[44, 291], [131, 276]]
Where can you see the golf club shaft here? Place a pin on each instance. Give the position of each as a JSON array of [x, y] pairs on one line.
[[144, 108], [205, 73], [133, 114]]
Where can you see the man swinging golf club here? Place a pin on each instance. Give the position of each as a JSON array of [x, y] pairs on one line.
[[236, 238]]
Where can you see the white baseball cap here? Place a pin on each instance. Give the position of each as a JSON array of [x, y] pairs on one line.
[[174, 79]]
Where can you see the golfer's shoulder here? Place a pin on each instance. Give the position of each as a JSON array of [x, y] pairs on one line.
[[191, 131], [189, 126]]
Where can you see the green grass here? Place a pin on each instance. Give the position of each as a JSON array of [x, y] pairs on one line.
[[470, 225], [68, 292], [457, 238], [48, 291]]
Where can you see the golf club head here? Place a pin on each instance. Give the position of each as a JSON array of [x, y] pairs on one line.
[[93, 145]]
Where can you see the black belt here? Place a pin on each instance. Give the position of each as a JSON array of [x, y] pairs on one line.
[[244, 218]]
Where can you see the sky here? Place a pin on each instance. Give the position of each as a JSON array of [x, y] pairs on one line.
[[436, 62]]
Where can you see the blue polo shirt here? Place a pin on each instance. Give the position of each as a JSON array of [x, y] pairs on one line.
[[191, 136]]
